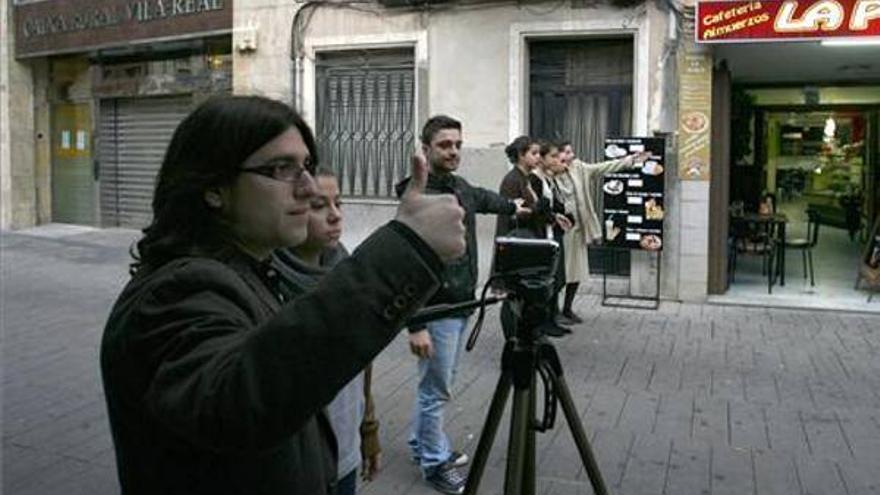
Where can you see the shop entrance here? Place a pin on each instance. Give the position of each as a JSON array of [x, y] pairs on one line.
[[802, 187], [813, 177], [73, 180]]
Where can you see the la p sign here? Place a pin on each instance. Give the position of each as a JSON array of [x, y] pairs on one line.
[[743, 21]]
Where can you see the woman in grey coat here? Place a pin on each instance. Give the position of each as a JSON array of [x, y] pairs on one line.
[[576, 185]]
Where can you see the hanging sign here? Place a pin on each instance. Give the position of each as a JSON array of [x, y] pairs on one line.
[[633, 203], [65, 26], [720, 21]]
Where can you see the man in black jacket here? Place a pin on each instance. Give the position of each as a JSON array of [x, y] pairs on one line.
[[439, 345], [215, 383]]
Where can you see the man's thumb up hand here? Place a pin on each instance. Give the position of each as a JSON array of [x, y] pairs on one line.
[[437, 219], [418, 177]]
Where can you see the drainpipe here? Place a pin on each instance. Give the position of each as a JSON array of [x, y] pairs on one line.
[[297, 53]]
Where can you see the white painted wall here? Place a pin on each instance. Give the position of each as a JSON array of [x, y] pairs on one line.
[[471, 63], [5, 158], [268, 70]]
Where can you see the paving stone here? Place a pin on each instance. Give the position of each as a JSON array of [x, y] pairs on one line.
[[730, 470], [774, 474], [689, 469], [819, 476]]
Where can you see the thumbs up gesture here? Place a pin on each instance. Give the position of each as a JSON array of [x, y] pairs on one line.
[[437, 219]]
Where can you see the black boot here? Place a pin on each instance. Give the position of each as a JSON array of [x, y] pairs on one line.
[[570, 292]]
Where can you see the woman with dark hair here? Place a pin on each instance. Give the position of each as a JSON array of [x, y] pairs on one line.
[[301, 268], [215, 383], [524, 154]]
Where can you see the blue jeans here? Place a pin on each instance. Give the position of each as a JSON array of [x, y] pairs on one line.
[[348, 484], [427, 440]]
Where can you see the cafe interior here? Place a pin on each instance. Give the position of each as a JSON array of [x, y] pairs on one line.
[[803, 192]]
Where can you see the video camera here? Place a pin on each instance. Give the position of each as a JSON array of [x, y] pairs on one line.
[[522, 258], [525, 269]]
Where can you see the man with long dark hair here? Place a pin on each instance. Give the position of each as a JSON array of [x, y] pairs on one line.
[[215, 384]]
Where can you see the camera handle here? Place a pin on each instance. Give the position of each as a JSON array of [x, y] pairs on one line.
[[440, 311]]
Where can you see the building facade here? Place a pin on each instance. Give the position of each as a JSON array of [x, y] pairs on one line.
[[92, 91], [366, 76], [95, 90]]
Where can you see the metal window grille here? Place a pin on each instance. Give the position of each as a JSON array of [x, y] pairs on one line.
[[365, 118]]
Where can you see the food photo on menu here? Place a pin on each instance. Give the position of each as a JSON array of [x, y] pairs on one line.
[[650, 242], [651, 167], [613, 187], [653, 209], [614, 151], [611, 231]]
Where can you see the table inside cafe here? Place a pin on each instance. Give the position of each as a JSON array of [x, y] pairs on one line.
[[774, 226]]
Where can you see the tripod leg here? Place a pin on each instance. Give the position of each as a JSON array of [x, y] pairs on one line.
[[516, 447], [580, 436], [487, 437], [529, 466]]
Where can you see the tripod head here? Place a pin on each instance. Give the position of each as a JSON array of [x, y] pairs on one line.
[[524, 270]]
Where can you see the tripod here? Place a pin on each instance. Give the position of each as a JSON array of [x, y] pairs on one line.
[[527, 353]]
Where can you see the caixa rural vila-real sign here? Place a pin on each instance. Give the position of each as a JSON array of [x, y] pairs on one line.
[[721, 21]]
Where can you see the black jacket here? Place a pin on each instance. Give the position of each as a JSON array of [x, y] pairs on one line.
[[215, 386], [549, 208], [460, 277], [516, 185]]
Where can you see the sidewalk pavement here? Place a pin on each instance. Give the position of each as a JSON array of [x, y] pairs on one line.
[[689, 399]]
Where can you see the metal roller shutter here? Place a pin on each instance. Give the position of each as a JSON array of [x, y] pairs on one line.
[[134, 134]]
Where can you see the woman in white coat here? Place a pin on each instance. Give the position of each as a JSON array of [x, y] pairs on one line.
[[576, 185]]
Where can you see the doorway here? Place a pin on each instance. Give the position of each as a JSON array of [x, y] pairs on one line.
[[73, 174], [581, 90], [815, 169]]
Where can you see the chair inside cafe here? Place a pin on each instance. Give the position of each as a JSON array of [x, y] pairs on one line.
[[750, 237]]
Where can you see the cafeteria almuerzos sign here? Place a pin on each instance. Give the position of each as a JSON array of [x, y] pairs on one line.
[[58, 26], [721, 21]]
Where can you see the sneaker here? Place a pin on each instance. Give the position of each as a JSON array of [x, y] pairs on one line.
[[447, 479], [456, 458]]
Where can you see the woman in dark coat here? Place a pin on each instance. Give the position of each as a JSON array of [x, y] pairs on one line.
[[214, 383], [524, 154]]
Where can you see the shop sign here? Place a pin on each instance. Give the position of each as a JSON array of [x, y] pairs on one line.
[[695, 112], [720, 21], [63, 26], [633, 203]]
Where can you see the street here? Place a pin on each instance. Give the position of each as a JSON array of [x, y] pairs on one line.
[[688, 399]]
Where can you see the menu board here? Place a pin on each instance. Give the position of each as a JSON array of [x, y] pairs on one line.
[[633, 199]]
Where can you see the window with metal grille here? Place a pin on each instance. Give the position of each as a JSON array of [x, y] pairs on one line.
[[581, 91], [365, 115]]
